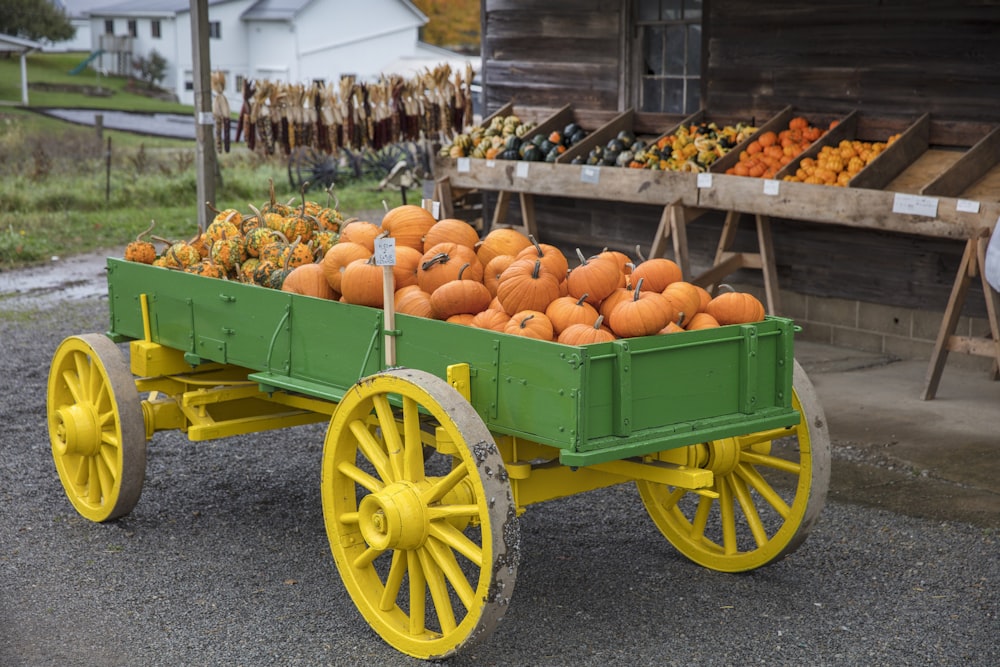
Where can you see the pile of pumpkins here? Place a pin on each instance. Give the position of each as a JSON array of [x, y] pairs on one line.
[[506, 281]]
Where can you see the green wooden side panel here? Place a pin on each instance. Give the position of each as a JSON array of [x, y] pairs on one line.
[[596, 402]]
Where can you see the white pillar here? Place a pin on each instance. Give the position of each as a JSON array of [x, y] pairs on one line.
[[24, 78]]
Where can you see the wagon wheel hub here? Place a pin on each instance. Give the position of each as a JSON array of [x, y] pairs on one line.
[[76, 432], [723, 456], [394, 518]]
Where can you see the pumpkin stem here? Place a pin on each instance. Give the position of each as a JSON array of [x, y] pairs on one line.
[[638, 253], [273, 201], [524, 322], [385, 205], [583, 298], [638, 290], [728, 287], [152, 223], [462, 270], [440, 258], [212, 208], [535, 243], [537, 270], [579, 253], [599, 321]]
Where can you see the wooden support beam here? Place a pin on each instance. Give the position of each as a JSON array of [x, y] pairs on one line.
[[673, 225], [443, 193], [971, 265], [527, 201]]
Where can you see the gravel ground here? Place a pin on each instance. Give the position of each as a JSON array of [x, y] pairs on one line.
[[225, 562]]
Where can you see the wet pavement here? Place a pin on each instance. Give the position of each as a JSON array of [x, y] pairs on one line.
[[891, 449], [177, 126]]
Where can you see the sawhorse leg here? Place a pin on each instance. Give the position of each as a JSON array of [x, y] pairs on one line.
[[973, 260], [527, 212], [673, 224]]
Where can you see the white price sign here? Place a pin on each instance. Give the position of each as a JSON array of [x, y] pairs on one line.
[[385, 251], [464, 165], [704, 180], [967, 206], [771, 187], [915, 205], [590, 174], [522, 170]]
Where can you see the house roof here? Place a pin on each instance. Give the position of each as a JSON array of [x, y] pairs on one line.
[[262, 10], [78, 9], [144, 7]]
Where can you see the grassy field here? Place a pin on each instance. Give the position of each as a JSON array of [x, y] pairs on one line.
[[62, 192]]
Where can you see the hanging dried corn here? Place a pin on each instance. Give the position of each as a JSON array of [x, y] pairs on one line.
[[220, 111]]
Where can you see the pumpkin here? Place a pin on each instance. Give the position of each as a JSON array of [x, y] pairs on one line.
[[702, 321], [672, 327], [565, 311], [685, 299], [493, 270], [411, 300], [329, 219], [735, 308], [623, 261], [525, 285], [643, 315], [244, 272], [228, 252], [551, 257], [442, 263], [597, 277], [206, 268], [361, 232], [492, 319], [501, 241], [608, 304], [705, 295], [298, 226], [361, 283], [461, 318], [322, 241], [141, 250], [585, 334], [259, 238], [656, 273], [338, 257], [462, 295], [450, 230], [530, 324], [180, 255], [496, 305], [404, 271], [220, 229], [274, 206], [308, 280], [408, 224]]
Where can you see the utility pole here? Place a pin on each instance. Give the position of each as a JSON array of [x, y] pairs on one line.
[[205, 152]]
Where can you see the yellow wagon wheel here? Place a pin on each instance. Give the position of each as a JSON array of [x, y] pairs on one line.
[[771, 488], [96, 427], [428, 549]]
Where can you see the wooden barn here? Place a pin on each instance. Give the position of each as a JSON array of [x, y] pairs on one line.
[[888, 263]]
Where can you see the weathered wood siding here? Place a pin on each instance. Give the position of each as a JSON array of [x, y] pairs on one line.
[[878, 56], [553, 52]]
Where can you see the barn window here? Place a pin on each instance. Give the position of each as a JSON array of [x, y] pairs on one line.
[[668, 58], [133, 28], [154, 28], [214, 30], [109, 26]]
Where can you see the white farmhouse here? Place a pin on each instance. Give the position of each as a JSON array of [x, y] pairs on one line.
[[296, 41]]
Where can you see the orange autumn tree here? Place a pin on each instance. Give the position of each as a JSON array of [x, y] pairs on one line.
[[452, 24]]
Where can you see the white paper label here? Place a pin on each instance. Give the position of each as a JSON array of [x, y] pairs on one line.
[[491, 164], [704, 180], [915, 205], [590, 174], [967, 206], [463, 165], [522, 170], [991, 267], [385, 251], [771, 187], [435, 211]]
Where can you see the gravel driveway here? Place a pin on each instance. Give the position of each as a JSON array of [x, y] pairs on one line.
[[225, 562]]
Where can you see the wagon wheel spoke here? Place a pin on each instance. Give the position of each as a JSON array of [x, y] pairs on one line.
[[770, 488], [96, 427], [426, 547]]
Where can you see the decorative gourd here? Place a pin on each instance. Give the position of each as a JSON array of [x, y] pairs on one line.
[[462, 295], [322, 241], [245, 271], [450, 230], [551, 257], [180, 255], [501, 241], [221, 228], [228, 251], [685, 299], [299, 226], [259, 238], [656, 273], [492, 319], [530, 324], [141, 250], [566, 311], [442, 263], [408, 224], [643, 315], [735, 308], [329, 219], [361, 283], [702, 321], [338, 257], [493, 270], [206, 268], [596, 277], [525, 285], [362, 232], [585, 334], [308, 280], [411, 300]]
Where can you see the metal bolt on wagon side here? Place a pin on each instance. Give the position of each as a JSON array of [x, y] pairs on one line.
[[428, 464]]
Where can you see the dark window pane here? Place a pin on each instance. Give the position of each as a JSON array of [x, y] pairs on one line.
[[674, 96], [651, 91], [693, 96], [671, 9], [692, 9], [648, 10], [694, 49], [653, 51], [675, 50]]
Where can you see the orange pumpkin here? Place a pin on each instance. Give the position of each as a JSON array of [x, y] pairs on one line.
[[361, 283], [551, 257], [404, 271], [566, 311], [685, 299], [462, 295], [408, 224], [443, 263], [597, 277], [530, 324], [492, 319], [450, 230], [493, 270], [461, 318], [361, 232], [310, 280], [735, 308], [643, 315], [656, 273], [526, 285], [702, 321], [585, 334], [411, 300], [501, 241], [338, 257]]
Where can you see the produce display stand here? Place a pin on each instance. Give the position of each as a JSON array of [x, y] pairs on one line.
[[429, 461], [912, 187]]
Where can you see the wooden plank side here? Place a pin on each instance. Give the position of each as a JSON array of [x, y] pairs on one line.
[[896, 157], [968, 168]]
